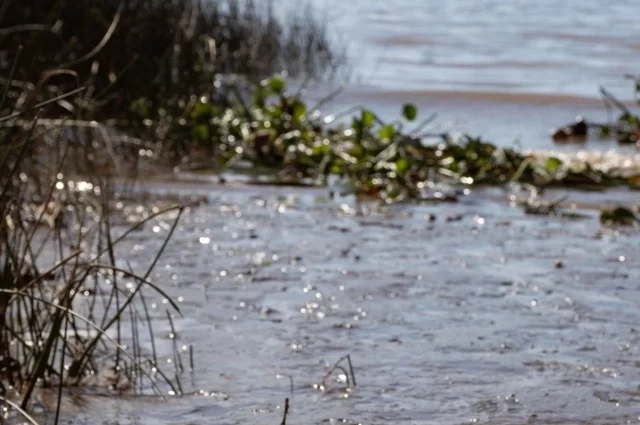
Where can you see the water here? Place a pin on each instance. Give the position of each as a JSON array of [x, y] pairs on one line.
[[542, 47], [505, 70], [449, 321]]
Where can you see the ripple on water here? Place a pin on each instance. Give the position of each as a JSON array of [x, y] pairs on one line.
[[445, 325]]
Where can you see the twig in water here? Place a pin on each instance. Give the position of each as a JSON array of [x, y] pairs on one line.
[[286, 411], [290, 382], [329, 97], [191, 368], [353, 375], [350, 376], [23, 28], [418, 130], [10, 79], [177, 359], [611, 98]]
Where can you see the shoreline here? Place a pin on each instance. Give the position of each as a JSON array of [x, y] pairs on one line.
[[372, 93], [204, 187]]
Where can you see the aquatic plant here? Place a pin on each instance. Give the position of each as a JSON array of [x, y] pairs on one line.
[[625, 129], [276, 132], [71, 311], [619, 215]]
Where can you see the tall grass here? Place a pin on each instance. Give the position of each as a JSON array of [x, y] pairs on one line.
[[161, 50], [72, 312]]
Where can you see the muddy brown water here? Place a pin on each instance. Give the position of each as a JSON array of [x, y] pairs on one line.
[[464, 319]]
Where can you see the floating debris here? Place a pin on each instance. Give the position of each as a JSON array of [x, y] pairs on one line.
[[620, 216]]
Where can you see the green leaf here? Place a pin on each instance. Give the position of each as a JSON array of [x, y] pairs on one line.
[[201, 133], [140, 107], [387, 132], [402, 165], [335, 168], [277, 85], [202, 110], [357, 151], [553, 164], [320, 150], [299, 109], [259, 98], [368, 118], [274, 112], [409, 111]]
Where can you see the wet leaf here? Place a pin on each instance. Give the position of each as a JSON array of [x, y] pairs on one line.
[[553, 164], [388, 132], [201, 133], [277, 85], [202, 110], [299, 109], [259, 98], [409, 111], [402, 165], [368, 119], [140, 107], [634, 181]]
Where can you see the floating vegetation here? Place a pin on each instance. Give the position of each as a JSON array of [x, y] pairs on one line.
[[277, 133], [573, 132], [619, 216], [625, 129]]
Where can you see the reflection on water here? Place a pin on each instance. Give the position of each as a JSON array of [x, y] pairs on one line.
[[448, 321]]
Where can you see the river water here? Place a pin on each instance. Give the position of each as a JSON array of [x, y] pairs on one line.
[[467, 318], [506, 70], [452, 313]]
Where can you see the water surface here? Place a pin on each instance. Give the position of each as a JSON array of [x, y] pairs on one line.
[[461, 319], [501, 69], [541, 47]]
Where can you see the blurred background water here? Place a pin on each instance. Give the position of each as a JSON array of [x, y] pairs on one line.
[[502, 69]]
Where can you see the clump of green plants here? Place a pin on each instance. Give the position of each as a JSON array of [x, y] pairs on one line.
[[276, 132], [618, 216], [625, 128]]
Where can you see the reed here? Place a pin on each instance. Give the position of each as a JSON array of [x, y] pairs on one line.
[[65, 297]]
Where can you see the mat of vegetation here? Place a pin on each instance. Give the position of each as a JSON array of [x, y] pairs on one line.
[[276, 131]]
